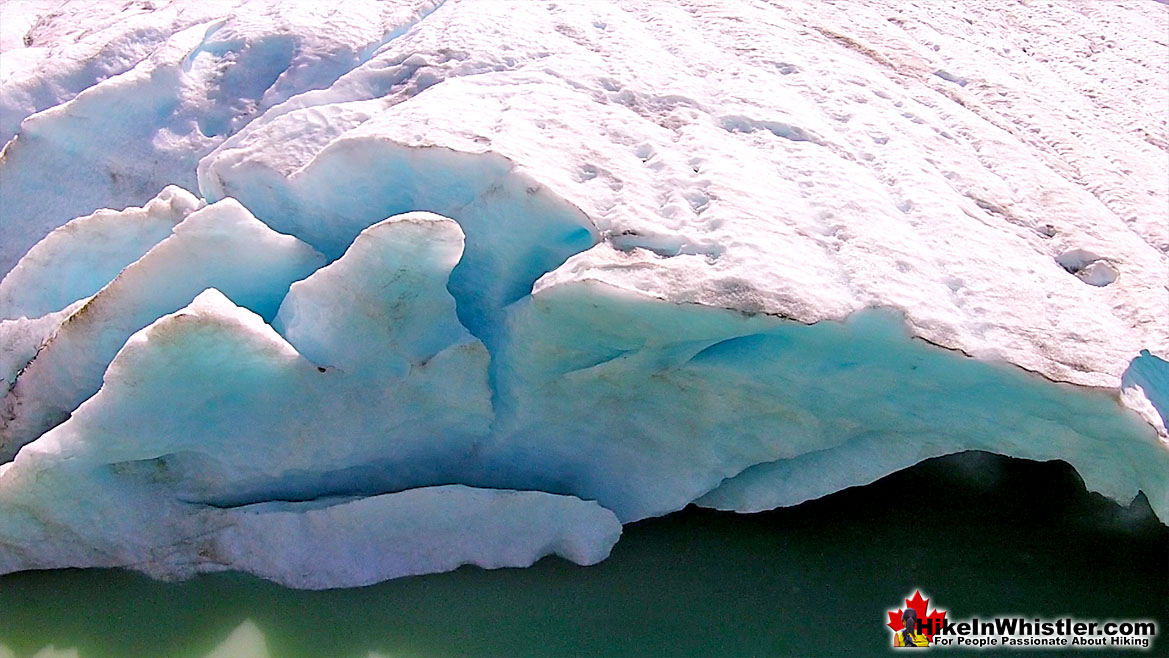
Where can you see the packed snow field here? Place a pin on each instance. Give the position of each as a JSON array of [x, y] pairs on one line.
[[340, 294]]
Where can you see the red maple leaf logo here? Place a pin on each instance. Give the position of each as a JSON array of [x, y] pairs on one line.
[[919, 606]]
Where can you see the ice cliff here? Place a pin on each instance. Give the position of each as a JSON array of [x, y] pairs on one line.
[[334, 294]]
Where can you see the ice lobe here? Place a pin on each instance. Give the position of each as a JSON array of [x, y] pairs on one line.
[[79, 258], [221, 245], [388, 291], [418, 531], [146, 478], [227, 402], [516, 229], [646, 405]]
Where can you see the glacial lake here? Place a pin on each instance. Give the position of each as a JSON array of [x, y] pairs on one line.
[[979, 534]]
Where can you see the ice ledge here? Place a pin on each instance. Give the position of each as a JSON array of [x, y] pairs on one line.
[[704, 393], [812, 244], [733, 410]]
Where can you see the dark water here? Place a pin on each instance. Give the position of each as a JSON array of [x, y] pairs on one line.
[[980, 534]]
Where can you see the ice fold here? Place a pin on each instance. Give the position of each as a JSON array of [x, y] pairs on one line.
[[79, 258], [220, 246], [129, 454], [646, 405]]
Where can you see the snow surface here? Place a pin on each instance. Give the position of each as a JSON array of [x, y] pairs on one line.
[[644, 254], [118, 100]]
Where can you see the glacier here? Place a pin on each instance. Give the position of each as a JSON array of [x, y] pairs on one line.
[[340, 296], [220, 245]]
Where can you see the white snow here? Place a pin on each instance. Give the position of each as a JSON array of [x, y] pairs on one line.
[[641, 253], [120, 100]]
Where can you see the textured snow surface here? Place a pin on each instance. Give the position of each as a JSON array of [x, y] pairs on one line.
[[109, 102], [404, 285]]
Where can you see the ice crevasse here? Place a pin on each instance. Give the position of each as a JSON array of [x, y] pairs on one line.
[[477, 282]]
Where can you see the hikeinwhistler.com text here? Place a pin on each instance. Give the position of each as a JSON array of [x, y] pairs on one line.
[[1020, 632]]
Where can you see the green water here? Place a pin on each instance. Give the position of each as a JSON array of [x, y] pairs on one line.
[[980, 534]]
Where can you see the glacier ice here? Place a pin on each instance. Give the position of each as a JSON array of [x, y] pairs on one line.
[[344, 423], [156, 496], [78, 259], [516, 230], [245, 641], [388, 290], [221, 245], [476, 282], [700, 198], [21, 338], [783, 411], [417, 531], [1145, 388]]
